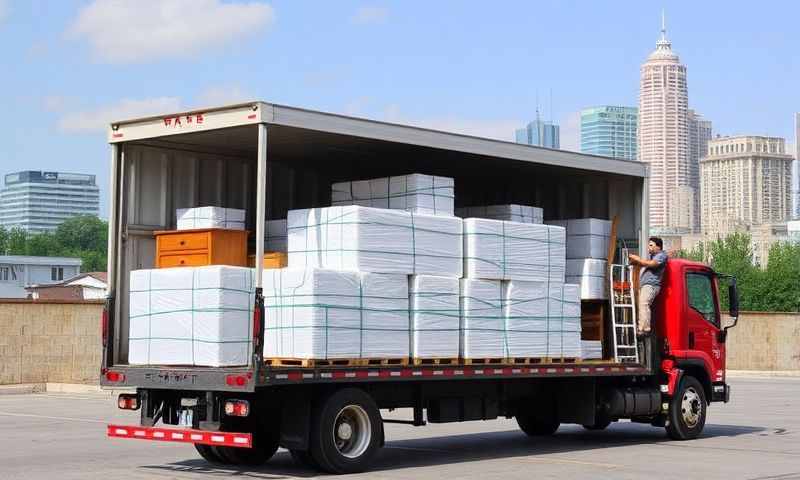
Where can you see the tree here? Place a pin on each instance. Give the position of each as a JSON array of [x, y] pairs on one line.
[[781, 283]]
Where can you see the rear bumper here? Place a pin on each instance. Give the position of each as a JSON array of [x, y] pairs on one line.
[[240, 379], [225, 439], [720, 392]]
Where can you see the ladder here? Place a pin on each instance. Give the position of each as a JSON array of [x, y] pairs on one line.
[[623, 313]]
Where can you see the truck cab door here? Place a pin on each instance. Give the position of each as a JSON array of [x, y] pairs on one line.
[[703, 320]]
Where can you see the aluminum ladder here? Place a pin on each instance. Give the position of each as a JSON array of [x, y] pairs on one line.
[[623, 313]]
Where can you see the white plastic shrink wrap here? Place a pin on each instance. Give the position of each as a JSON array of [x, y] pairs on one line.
[[500, 250], [510, 212], [327, 314], [526, 316], [591, 349], [198, 316], [592, 276], [210, 217], [415, 193], [435, 316], [482, 321], [375, 240], [586, 237]]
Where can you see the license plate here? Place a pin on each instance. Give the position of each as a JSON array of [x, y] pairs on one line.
[[186, 417]]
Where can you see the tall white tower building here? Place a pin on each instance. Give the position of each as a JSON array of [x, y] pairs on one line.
[[664, 139]]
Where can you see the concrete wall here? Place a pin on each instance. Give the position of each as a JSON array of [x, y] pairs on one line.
[[48, 341], [765, 341]]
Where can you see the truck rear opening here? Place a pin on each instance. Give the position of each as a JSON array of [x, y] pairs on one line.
[[268, 159]]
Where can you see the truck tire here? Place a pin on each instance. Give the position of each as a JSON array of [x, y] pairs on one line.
[[687, 410], [599, 424], [265, 444], [209, 453], [536, 427], [346, 431]]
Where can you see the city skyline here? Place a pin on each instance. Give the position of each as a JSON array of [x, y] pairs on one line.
[[481, 85], [610, 130]]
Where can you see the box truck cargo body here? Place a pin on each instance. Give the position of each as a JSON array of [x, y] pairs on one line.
[[268, 159]]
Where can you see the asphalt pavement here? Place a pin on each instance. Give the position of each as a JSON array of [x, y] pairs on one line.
[[756, 436]]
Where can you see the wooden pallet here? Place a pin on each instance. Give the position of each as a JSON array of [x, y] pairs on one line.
[[526, 360], [337, 362], [565, 360], [435, 361], [484, 361]]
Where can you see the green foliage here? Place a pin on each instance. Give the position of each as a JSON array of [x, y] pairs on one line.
[[775, 288], [84, 237]]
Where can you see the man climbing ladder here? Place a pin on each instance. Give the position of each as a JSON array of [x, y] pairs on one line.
[[650, 286]]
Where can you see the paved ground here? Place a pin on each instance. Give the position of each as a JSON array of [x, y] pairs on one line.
[[756, 436]]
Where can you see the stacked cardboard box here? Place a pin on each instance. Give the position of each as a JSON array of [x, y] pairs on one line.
[[592, 276]]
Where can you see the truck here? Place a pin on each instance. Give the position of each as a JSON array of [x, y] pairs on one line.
[[267, 159]]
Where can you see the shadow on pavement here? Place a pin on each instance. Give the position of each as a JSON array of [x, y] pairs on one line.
[[444, 450]]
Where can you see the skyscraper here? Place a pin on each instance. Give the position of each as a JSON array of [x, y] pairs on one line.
[[610, 131], [40, 201], [540, 133], [796, 168], [664, 138], [745, 182], [699, 135]]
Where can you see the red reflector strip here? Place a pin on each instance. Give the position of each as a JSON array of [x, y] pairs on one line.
[[227, 439]]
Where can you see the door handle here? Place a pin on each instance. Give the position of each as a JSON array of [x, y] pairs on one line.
[[691, 340]]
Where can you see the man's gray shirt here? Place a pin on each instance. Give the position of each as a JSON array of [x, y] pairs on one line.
[[652, 275]]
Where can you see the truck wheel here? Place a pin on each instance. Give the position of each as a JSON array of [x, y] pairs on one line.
[[536, 427], [346, 431], [265, 444], [208, 453], [599, 424], [304, 459], [687, 410]]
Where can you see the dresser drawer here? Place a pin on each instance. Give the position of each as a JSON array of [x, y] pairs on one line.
[[186, 260], [183, 241]]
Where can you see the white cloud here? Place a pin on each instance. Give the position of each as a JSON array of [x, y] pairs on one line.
[[222, 95], [97, 120], [370, 15], [570, 131], [122, 31]]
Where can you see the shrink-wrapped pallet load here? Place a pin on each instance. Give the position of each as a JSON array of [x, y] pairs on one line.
[[375, 240], [592, 276], [525, 310], [500, 250], [275, 236], [435, 316], [571, 321], [312, 314], [210, 217], [200, 316], [415, 193], [510, 212], [586, 237], [482, 323], [591, 349], [384, 324]]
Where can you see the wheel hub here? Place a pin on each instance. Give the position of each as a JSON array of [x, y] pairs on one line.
[[352, 431], [691, 407], [345, 431]]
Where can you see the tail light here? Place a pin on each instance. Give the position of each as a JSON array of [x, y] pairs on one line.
[[115, 377], [104, 326], [128, 401], [257, 325], [237, 408], [238, 380]]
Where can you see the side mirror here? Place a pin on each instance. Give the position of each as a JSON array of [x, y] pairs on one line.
[[733, 299]]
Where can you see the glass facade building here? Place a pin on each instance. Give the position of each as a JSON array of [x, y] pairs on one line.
[[40, 201], [609, 131], [539, 133]]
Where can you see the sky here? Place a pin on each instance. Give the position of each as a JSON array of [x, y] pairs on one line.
[[468, 66]]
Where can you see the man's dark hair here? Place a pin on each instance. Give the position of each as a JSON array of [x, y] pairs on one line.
[[659, 243]]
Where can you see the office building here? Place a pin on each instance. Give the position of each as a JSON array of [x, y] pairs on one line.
[[40, 201], [18, 272], [540, 133], [745, 182], [663, 138], [610, 131], [796, 169], [699, 135]]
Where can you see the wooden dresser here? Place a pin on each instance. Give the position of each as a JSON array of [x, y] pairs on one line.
[[199, 247]]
